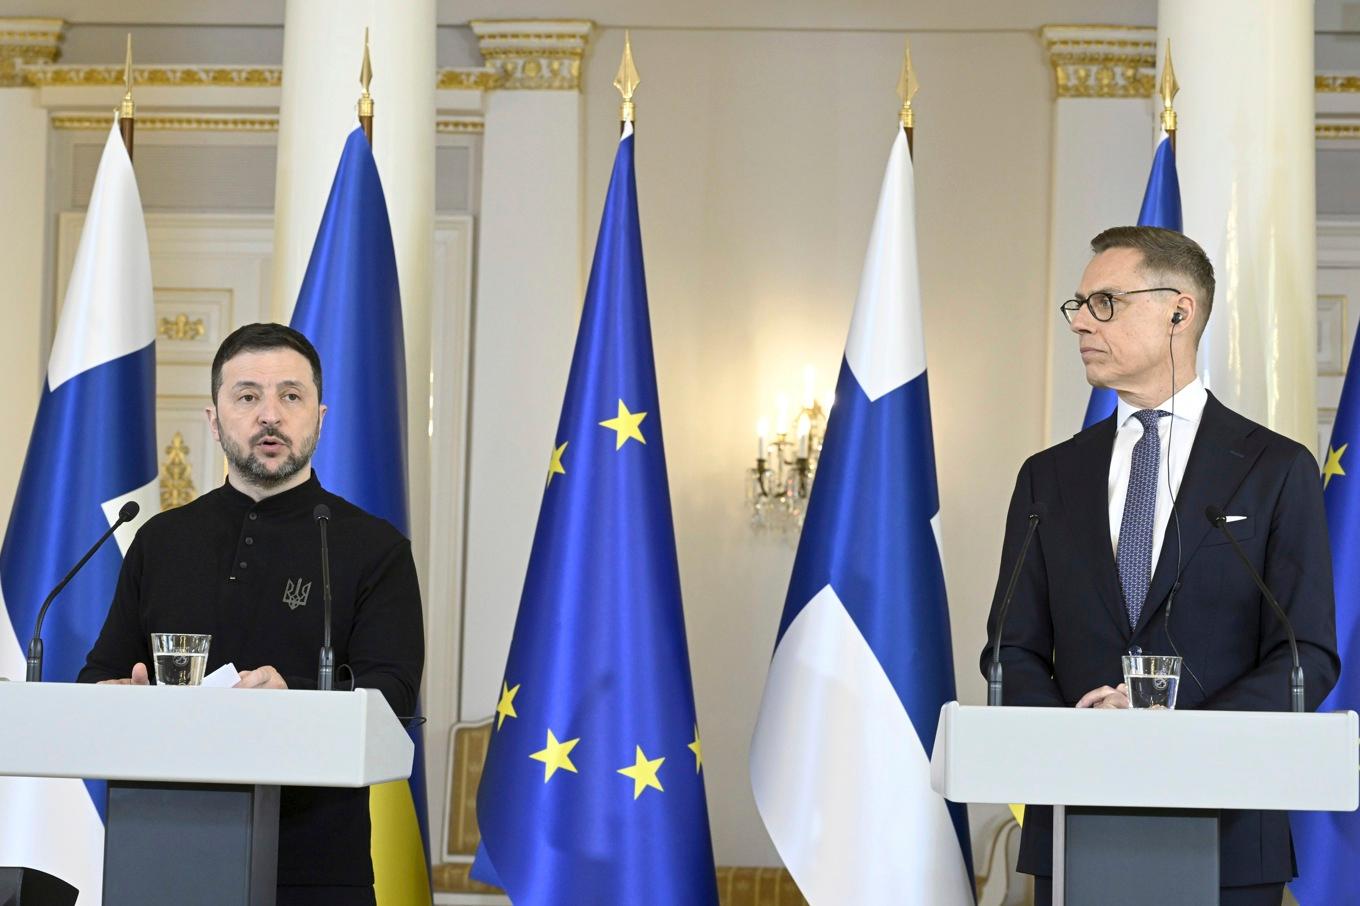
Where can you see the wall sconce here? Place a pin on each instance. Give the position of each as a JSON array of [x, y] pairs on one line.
[[778, 488]]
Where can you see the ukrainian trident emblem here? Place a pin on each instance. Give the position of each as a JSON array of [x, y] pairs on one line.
[[295, 593]]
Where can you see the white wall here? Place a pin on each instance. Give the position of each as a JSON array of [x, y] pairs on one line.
[[759, 160]]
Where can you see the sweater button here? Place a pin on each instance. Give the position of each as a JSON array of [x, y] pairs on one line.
[[253, 516], [250, 540], [242, 564]]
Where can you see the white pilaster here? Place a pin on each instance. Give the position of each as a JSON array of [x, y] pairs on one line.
[[528, 303], [1102, 149], [23, 184], [1245, 155]]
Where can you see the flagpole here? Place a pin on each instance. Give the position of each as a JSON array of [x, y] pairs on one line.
[[627, 82], [1169, 89], [366, 99], [127, 111], [906, 90]]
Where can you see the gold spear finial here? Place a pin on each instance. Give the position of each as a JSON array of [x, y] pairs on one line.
[[365, 79], [627, 80], [907, 88], [1169, 89], [127, 110]]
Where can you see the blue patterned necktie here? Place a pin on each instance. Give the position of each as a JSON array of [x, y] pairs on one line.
[[1134, 556]]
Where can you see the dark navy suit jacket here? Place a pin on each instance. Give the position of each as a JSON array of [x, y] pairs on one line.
[[1067, 626]]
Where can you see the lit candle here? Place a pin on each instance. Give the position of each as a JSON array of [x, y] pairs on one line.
[[762, 431], [804, 426], [828, 400]]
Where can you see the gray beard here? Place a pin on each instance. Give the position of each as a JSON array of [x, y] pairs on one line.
[[248, 464]]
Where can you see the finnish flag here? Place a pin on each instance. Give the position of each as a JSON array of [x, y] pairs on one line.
[[92, 449], [840, 761]]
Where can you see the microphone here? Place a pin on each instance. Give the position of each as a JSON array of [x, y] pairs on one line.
[[325, 671], [994, 678], [33, 673], [1219, 521]]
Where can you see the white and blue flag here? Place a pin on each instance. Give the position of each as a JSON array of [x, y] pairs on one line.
[[92, 449], [840, 761]]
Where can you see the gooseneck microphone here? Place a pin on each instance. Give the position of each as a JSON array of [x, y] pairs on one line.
[[325, 671], [994, 673], [33, 673], [1219, 521]]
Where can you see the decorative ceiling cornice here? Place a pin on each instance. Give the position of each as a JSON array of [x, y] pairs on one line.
[[51, 76], [27, 41], [534, 54], [1101, 61]]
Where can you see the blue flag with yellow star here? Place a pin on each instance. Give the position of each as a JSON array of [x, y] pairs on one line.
[[593, 790], [1161, 208], [1327, 844]]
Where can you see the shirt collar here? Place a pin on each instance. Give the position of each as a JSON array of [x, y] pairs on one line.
[[1188, 404], [300, 498]]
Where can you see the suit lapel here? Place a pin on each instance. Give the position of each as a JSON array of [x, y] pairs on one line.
[[1223, 452], [1086, 494]]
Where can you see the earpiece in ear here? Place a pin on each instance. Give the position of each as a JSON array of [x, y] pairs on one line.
[[1178, 317]]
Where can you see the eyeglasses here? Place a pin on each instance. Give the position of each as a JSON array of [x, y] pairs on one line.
[[1101, 305]]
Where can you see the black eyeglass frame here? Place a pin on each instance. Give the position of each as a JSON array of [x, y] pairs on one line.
[[1070, 308]]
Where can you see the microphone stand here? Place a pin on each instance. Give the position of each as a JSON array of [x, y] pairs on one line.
[[994, 672], [325, 672]]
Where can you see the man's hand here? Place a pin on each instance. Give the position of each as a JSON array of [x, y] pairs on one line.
[[1106, 697], [265, 677], [138, 678]]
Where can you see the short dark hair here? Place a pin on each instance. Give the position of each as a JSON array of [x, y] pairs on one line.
[[258, 337], [1166, 252]]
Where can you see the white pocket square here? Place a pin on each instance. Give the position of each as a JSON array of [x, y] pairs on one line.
[[1235, 518]]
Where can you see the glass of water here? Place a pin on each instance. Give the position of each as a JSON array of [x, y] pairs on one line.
[[1152, 680], [180, 657]]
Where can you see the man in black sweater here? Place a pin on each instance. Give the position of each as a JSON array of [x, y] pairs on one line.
[[243, 563]]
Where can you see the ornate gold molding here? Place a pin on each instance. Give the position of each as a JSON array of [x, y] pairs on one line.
[[1336, 82], [1101, 61], [1332, 131], [465, 80], [177, 76], [24, 42], [462, 125], [177, 476], [535, 55], [189, 122], [180, 327]]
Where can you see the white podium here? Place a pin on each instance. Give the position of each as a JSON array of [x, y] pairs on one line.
[[194, 774], [1155, 779]]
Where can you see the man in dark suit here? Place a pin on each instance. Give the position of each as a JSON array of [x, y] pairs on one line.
[[1113, 547]]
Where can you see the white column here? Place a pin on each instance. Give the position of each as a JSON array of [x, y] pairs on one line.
[[1245, 157], [1102, 124], [322, 54], [528, 302], [23, 185]]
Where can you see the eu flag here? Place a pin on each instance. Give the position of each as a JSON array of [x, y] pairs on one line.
[[1327, 844], [1161, 208], [350, 308], [593, 790]]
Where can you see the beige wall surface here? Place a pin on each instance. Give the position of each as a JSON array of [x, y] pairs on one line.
[[759, 156]]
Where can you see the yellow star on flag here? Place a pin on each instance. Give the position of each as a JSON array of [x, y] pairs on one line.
[[625, 426], [697, 748], [555, 466], [556, 755], [506, 706], [1333, 466], [643, 772]]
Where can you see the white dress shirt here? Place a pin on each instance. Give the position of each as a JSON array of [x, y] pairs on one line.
[[1177, 436]]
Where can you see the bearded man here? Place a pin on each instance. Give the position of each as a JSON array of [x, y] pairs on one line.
[[243, 563]]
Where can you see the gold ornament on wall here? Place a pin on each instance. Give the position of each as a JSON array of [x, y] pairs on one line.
[[181, 328], [177, 476], [1101, 61]]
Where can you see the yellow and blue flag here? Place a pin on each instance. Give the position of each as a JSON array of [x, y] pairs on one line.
[[1327, 844], [1161, 208], [593, 790], [350, 308]]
